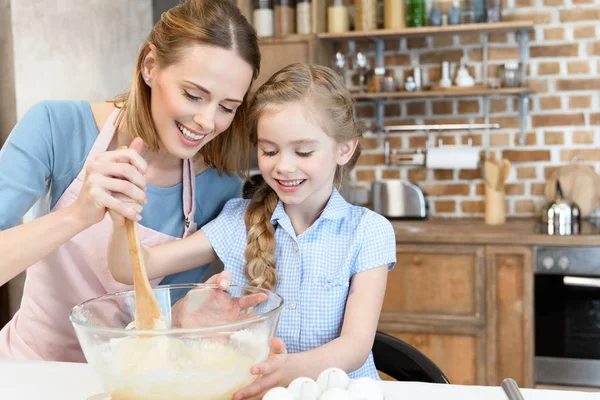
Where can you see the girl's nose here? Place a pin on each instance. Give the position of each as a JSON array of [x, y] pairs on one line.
[[285, 164]]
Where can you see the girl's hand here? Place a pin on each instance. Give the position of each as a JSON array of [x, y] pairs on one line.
[[112, 178], [208, 307], [271, 370]]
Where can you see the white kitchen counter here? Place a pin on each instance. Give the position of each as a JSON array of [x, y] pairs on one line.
[[36, 380]]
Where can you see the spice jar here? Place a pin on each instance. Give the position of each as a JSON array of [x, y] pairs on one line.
[[337, 16], [303, 16], [366, 15], [393, 13], [285, 17], [262, 18]]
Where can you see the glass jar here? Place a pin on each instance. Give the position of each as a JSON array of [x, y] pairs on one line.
[[393, 13], [510, 75], [366, 15], [285, 17], [303, 17], [263, 18], [337, 16]]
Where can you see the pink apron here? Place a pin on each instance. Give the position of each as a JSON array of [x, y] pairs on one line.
[[75, 272]]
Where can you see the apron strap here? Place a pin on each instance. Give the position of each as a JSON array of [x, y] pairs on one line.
[[102, 141], [189, 197]]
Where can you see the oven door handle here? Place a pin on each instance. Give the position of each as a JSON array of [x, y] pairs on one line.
[[581, 282]]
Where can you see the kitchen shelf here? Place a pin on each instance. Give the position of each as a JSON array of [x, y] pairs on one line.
[[286, 39], [444, 93], [485, 28]]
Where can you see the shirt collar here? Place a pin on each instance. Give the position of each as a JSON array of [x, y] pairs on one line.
[[336, 208]]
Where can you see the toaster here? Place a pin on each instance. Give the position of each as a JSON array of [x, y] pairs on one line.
[[395, 198]]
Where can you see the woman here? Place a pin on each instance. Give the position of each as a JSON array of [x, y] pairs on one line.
[[187, 104]]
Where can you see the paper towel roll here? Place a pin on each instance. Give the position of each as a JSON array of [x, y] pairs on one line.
[[449, 157]]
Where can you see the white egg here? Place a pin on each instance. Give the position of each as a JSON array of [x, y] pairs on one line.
[[332, 378], [278, 393], [304, 389], [336, 394], [365, 389]]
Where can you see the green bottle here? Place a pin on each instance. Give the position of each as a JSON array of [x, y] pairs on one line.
[[416, 13]]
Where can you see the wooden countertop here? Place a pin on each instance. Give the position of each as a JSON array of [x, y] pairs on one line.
[[474, 231]]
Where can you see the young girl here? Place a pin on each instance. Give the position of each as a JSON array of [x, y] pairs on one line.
[[327, 259]]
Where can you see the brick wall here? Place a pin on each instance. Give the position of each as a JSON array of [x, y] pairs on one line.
[[564, 118]]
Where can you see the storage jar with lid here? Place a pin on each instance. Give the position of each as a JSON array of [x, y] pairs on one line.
[[263, 18], [337, 16], [366, 15], [393, 14], [303, 16], [285, 17]]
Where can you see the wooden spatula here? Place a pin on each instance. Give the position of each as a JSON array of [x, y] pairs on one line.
[[147, 310]]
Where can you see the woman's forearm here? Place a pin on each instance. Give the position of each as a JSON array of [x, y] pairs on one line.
[[343, 353], [26, 244]]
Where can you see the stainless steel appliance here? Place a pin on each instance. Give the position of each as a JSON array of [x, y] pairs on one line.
[[567, 315], [395, 198]]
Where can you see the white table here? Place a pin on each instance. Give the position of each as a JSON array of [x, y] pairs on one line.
[[36, 380]]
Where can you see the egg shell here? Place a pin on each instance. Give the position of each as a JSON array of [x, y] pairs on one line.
[[304, 388], [278, 393], [333, 378], [336, 394], [365, 389]]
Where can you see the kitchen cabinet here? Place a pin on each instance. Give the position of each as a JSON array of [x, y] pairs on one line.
[[276, 53], [467, 307], [510, 314]]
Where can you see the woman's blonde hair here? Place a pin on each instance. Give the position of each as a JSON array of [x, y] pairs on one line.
[[211, 22], [329, 105]]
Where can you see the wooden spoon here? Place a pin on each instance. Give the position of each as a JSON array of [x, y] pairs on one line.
[[492, 174], [147, 310], [505, 172]]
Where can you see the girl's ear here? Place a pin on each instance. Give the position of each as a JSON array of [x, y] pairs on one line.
[[149, 64], [346, 150]]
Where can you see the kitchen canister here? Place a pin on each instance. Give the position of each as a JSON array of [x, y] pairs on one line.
[[303, 16], [366, 15], [393, 14], [263, 18], [337, 16], [285, 17]]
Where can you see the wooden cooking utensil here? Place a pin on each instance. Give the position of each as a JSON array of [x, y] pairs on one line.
[[147, 310], [492, 173], [505, 167]]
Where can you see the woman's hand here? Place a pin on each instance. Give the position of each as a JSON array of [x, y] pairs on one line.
[[208, 307], [112, 178], [272, 371]]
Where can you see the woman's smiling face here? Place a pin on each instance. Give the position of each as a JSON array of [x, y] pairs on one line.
[[196, 99]]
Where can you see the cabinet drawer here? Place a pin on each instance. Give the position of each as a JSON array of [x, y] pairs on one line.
[[457, 356], [446, 280]]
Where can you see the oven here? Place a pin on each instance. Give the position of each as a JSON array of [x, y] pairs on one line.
[[567, 316]]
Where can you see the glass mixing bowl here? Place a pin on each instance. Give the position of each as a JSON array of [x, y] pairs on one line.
[[207, 359]]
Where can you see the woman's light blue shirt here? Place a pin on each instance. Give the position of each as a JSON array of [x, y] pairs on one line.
[[314, 269]]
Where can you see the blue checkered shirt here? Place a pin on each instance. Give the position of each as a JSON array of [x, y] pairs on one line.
[[313, 269]]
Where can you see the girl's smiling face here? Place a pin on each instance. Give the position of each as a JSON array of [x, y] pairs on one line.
[[296, 157], [196, 99]]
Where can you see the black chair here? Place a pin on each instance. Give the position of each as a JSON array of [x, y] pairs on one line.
[[403, 362]]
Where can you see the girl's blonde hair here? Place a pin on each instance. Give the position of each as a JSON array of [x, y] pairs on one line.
[[211, 22], [329, 105]]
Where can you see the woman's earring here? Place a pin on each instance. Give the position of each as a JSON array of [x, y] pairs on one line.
[[147, 79]]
